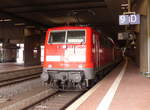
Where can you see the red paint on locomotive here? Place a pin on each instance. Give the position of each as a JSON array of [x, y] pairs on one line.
[[79, 53]]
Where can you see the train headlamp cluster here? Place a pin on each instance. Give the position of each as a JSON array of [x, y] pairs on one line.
[[50, 66], [80, 66]]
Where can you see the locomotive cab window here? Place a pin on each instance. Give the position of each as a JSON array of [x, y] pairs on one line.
[[67, 36], [76, 36], [57, 37]]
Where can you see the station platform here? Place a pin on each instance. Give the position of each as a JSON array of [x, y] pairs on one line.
[[10, 71], [125, 88]]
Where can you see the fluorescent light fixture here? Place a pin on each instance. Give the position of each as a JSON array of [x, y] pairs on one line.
[[5, 20], [30, 26], [19, 24]]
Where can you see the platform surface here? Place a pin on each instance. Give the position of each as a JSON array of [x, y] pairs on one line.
[[132, 92]]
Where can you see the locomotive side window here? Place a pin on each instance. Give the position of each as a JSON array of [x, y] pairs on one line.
[[103, 41], [57, 37], [110, 44], [76, 36], [106, 42]]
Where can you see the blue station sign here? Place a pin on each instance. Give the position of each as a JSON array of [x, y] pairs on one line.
[[129, 19]]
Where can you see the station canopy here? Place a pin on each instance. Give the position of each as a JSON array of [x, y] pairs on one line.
[[49, 13]]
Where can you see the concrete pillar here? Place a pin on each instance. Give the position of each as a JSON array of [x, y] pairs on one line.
[[148, 23], [32, 51], [145, 43]]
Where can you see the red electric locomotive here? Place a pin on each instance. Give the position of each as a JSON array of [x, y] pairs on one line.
[[74, 55]]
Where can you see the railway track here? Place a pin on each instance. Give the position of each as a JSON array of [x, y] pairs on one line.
[[26, 92], [19, 79], [57, 101], [12, 87], [9, 75], [41, 99]]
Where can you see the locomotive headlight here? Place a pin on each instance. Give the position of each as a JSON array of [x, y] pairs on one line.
[[80, 66], [50, 66]]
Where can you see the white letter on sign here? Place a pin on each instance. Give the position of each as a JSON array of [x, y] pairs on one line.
[[133, 18], [122, 19]]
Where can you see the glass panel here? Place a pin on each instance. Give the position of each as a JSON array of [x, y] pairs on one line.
[[57, 37], [76, 36]]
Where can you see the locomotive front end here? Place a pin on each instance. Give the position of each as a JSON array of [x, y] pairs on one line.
[[65, 59]]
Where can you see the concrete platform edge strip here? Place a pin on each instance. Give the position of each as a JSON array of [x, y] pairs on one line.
[[78, 102], [106, 101], [28, 101]]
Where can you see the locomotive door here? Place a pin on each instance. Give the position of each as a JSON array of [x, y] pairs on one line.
[[102, 51], [95, 51]]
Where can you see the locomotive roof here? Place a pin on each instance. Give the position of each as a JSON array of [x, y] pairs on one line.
[[69, 27]]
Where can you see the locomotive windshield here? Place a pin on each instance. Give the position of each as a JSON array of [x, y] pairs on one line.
[[67, 36], [57, 37]]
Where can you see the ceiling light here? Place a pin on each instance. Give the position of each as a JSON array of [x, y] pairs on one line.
[[5, 20], [30, 26], [19, 24]]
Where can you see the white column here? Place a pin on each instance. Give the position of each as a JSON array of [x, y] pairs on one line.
[[145, 43]]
